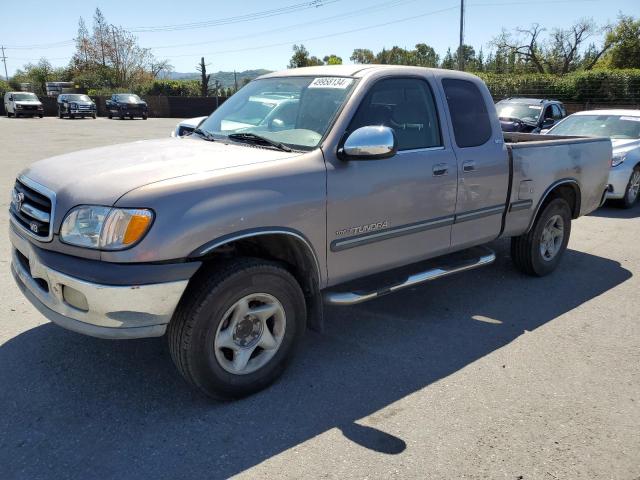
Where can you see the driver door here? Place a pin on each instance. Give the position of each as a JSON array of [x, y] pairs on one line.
[[387, 213]]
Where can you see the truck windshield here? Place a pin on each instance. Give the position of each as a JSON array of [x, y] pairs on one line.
[[128, 98], [612, 126], [24, 96], [521, 111], [77, 98], [294, 111]]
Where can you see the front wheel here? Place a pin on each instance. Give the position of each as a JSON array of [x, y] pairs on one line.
[[237, 327], [539, 252], [632, 191]]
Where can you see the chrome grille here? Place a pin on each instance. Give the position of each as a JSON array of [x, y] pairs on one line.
[[32, 208]]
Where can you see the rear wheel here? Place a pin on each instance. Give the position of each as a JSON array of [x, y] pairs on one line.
[[144, 117], [539, 252], [236, 329]]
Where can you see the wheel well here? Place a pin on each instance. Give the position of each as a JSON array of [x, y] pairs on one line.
[[290, 251], [570, 192]]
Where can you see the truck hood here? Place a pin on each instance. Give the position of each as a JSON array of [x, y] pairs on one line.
[[28, 102], [102, 175]]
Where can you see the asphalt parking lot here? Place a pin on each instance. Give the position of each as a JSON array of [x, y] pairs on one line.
[[489, 374]]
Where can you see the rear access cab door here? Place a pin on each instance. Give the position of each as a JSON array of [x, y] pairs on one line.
[[482, 160], [386, 213]]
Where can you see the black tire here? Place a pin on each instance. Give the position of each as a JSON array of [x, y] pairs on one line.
[[60, 115], [144, 117], [8, 114], [94, 116], [72, 116], [110, 116], [627, 201], [194, 326], [121, 117], [526, 249]]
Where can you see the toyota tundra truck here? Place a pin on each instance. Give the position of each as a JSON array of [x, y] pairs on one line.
[[231, 240]]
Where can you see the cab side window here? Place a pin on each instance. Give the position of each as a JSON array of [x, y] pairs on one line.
[[557, 113], [469, 114], [404, 105]]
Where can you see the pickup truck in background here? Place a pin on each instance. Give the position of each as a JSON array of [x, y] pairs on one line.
[[231, 240], [127, 105], [76, 105]]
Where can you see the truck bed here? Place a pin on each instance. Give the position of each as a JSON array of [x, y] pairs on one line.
[[541, 162]]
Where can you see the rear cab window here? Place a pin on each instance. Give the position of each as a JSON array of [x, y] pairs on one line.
[[469, 115]]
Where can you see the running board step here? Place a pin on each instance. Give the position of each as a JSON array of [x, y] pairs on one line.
[[438, 268]]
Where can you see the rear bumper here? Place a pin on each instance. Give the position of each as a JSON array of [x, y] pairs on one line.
[[90, 308]]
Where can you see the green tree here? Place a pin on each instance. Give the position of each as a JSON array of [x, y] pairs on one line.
[[38, 74], [204, 78], [425, 56], [362, 55], [448, 61], [332, 60], [624, 39], [302, 58]]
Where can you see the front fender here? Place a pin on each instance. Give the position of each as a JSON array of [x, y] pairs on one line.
[[193, 211]]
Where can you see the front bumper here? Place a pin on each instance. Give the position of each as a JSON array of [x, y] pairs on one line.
[[104, 311], [619, 180]]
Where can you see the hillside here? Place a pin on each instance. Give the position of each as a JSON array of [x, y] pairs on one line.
[[225, 78]]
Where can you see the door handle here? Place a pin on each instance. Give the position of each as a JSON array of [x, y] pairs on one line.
[[469, 166], [440, 169]]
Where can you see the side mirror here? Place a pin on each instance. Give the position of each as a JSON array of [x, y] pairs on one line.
[[369, 143], [548, 122]]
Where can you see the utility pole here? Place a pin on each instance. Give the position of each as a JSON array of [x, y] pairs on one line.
[[235, 82], [460, 48], [4, 60]]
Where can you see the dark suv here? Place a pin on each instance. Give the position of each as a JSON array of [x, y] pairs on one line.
[[529, 115], [75, 105]]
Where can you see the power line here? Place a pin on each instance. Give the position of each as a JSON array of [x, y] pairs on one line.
[[366, 10], [236, 19]]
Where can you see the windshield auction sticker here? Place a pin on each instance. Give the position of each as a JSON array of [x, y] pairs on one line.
[[331, 82]]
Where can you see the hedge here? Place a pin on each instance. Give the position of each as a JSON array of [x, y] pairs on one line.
[[597, 86]]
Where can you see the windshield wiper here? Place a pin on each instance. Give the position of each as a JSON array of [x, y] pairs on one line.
[[204, 134], [258, 139]]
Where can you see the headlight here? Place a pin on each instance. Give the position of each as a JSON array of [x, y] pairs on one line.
[[105, 228], [18, 107], [74, 105], [617, 159]]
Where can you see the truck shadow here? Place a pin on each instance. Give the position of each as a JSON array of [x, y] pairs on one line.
[[610, 211], [77, 407]]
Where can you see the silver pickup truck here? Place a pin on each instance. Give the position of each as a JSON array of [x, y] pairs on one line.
[[367, 180]]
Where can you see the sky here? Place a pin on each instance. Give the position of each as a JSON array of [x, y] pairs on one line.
[[240, 41]]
